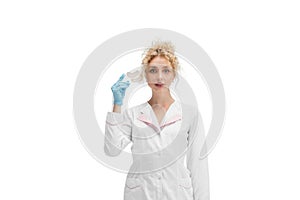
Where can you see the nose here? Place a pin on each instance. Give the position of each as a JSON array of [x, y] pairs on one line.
[[160, 76]]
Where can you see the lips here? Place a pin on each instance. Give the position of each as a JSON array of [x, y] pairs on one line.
[[159, 84]]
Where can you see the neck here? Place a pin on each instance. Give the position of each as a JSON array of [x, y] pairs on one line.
[[161, 98]]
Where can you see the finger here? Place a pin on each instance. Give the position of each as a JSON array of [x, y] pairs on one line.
[[121, 77], [119, 85], [115, 85], [123, 85]]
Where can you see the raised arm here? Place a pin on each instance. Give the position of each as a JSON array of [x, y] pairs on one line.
[[118, 125]]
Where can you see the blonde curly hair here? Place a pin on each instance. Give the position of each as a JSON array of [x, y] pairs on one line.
[[161, 48]]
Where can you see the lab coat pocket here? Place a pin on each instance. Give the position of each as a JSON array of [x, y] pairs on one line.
[[133, 189], [132, 183], [185, 188]]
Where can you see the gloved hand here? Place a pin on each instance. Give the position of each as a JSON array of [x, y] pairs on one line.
[[118, 89]]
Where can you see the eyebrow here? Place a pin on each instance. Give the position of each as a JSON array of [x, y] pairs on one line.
[[154, 66]]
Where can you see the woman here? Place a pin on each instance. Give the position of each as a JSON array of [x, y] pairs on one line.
[[162, 131]]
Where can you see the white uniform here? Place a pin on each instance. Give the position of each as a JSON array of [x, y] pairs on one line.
[[159, 150]]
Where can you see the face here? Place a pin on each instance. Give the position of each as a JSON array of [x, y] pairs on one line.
[[159, 74]]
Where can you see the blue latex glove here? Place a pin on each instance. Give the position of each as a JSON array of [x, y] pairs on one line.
[[118, 89]]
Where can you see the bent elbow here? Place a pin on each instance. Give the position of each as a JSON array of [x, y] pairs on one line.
[[111, 151]]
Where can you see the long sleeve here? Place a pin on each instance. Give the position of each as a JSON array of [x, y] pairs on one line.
[[198, 167], [117, 132]]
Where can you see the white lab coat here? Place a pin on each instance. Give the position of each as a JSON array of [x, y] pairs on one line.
[[158, 171]]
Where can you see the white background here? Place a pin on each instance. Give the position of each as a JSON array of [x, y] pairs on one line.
[[254, 45]]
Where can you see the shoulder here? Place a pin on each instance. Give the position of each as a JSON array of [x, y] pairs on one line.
[[135, 108], [190, 111]]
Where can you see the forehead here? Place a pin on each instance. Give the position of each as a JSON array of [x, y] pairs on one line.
[[160, 60]]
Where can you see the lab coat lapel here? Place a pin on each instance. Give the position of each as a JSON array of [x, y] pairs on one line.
[[145, 116], [171, 116], [171, 120]]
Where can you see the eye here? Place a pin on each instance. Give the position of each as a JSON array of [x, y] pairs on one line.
[[152, 70], [166, 71]]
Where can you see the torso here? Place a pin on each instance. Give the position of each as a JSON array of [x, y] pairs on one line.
[[160, 111]]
